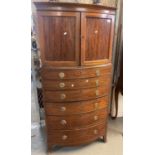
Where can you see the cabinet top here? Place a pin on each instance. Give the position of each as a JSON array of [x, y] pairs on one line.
[[50, 5]]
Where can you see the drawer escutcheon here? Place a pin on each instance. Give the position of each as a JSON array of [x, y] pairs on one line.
[[97, 93], [95, 131], [63, 122], [98, 72], [95, 118], [96, 105], [64, 137], [87, 81], [72, 85], [97, 83], [63, 108], [63, 96]]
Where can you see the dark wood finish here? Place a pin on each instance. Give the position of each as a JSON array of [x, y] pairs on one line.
[[75, 95], [59, 37], [54, 73], [76, 70], [97, 38], [76, 107], [76, 137], [76, 83], [76, 121]]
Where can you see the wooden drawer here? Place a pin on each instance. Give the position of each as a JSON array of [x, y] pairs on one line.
[[76, 83], [75, 137], [76, 121], [48, 73], [76, 107], [96, 72], [75, 95]]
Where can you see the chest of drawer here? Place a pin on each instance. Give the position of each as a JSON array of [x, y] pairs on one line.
[[76, 107], [75, 137], [76, 121], [75, 95], [75, 73], [76, 83]]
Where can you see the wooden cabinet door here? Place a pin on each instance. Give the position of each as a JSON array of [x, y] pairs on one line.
[[96, 38], [59, 38]]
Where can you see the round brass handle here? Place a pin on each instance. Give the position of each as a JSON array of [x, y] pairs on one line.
[[63, 108], [97, 92], [95, 118], [97, 83], [63, 122], [64, 137], [61, 85], [96, 105], [62, 96], [61, 75], [95, 131], [98, 72]]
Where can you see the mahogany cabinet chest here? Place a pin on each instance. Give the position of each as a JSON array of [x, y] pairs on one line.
[[76, 54]]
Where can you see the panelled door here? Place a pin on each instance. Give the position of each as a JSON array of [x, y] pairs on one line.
[[96, 38], [59, 38]]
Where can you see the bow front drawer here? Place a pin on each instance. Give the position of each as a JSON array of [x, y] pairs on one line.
[[75, 95], [77, 107], [48, 73], [75, 137], [76, 83], [76, 121]]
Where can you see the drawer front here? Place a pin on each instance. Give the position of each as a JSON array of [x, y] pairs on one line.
[[76, 121], [76, 83], [75, 73], [75, 95], [96, 72], [76, 108], [60, 74], [75, 137]]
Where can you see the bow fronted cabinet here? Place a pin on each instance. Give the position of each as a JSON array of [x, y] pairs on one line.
[[76, 54]]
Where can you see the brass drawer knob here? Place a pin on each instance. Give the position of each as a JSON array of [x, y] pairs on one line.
[[96, 105], [95, 118], [95, 131], [63, 96], [98, 72], [61, 75], [63, 108], [97, 92], [63, 122], [97, 83], [61, 85], [64, 137]]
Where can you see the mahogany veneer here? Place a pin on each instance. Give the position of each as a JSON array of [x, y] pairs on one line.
[[76, 52]]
